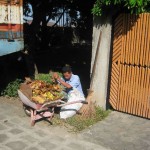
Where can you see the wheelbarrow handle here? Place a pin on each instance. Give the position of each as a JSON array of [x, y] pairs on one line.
[[74, 102], [84, 102]]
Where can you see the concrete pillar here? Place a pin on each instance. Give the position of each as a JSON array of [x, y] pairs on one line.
[[100, 81]]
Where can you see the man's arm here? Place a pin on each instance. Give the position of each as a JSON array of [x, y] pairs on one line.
[[64, 83], [56, 77]]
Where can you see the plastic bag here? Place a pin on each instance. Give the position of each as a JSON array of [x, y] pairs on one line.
[[70, 110]]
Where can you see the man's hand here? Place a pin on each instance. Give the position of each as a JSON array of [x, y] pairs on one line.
[[55, 75]]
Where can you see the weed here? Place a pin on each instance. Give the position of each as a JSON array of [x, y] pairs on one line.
[[11, 88], [78, 123]]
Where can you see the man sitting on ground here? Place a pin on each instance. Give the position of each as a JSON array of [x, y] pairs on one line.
[[69, 80], [74, 92]]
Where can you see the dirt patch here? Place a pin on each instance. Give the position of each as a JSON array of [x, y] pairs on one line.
[[13, 104], [11, 100]]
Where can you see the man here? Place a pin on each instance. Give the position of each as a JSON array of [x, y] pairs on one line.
[[69, 80], [73, 90]]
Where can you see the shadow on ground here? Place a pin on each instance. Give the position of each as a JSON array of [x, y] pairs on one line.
[[79, 57]]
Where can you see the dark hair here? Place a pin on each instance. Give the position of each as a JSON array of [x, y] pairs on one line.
[[66, 69]]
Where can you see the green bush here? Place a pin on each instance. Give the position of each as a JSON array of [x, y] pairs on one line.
[[11, 88], [45, 77], [134, 6]]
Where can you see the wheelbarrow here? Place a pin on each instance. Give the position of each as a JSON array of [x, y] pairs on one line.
[[42, 111]]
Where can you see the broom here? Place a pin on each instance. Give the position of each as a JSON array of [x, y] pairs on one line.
[[89, 109]]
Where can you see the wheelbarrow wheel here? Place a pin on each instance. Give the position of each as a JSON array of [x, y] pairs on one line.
[[27, 110]]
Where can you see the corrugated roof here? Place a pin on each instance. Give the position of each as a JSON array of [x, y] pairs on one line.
[[11, 2]]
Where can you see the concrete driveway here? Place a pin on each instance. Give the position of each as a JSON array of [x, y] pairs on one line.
[[117, 132], [120, 131]]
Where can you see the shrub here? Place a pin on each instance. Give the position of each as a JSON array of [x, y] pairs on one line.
[[11, 88], [45, 77]]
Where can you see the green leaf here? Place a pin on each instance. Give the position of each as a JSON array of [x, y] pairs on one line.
[[11, 88]]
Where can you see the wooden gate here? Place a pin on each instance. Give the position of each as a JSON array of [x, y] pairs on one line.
[[130, 74]]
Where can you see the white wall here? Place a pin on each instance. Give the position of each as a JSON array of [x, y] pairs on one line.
[[100, 81]]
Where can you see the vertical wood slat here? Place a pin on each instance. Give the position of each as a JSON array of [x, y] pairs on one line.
[[145, 94], [129, 40], [121, 69], [136, 90], [133, 90], [129, 87], [132, 40], [130, 75], [147, 42], [121, 88], [142, 82], [128, 60], [134, 57], [126, 94], [142, 40], [137, 28], [139, 39], [115, 58], [120, 60], [123, 39], [148, 102]]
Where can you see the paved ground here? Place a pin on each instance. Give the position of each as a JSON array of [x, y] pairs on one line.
[[120, 131], [117, 132]]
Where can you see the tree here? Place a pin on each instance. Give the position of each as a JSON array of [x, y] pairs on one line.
[[43, 11], [133, 6]]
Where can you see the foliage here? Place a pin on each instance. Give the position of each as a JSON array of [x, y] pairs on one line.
[[51, 9], [134, 6], [42, 11], [11, 89], [78, 123], [46, 77]]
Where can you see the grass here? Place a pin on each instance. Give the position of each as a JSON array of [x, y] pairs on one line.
[[78, 123]]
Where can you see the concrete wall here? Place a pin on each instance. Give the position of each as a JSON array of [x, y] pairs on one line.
[[100, 81], [8, 47]]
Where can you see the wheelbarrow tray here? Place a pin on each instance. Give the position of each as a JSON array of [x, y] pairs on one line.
[[34, 105], [38, 111]]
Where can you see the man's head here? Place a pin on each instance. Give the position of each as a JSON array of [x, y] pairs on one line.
[[67, 72]]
